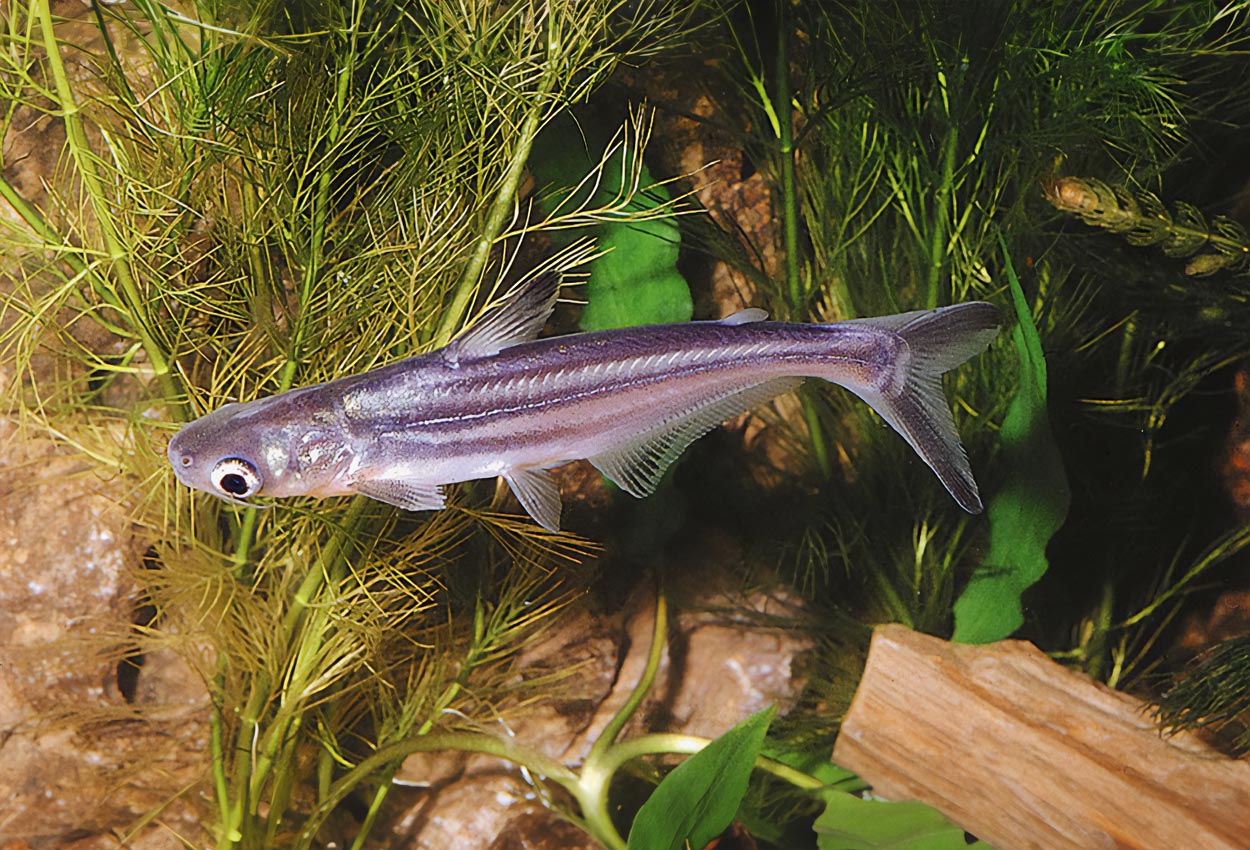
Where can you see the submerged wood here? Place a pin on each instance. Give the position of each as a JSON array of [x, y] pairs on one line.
[[1028, 755]]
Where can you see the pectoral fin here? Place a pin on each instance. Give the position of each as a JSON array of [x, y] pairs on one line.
[[402, 494], [537, 492], [638, 465]]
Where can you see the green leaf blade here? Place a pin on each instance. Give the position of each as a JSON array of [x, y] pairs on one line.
[[698, 800], [851, 823], [635, 281], [1029, 508]]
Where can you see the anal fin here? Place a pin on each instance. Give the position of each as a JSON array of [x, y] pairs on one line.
[[402, 494], [538, 493], [638, 465]]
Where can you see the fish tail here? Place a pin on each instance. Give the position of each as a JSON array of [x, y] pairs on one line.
[[909, 396]]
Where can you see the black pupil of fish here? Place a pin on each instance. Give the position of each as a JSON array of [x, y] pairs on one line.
[[234, 484]]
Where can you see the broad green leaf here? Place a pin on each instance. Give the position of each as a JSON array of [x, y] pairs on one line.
[[851, 823], [1030, 506], [698, 800], [786, 824], [814, 761], [636, 281]]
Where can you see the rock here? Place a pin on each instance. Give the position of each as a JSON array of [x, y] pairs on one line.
[[82, 751], [716, 671], [542, 830], [77, 756]]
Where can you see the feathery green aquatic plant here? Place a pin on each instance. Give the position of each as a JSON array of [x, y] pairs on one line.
[[1219, 245], [635, 280], [259, 197], [1214, 693], [899, 142]]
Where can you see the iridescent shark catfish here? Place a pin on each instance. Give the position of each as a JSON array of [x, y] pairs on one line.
[[496, 401]]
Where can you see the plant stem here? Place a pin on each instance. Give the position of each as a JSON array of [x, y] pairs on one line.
[[665, 743], [284, 778], [36, 222], [1096, 648], [217, 752], [133, 302], [780, 112], [820, 451], [472, 742], [940, 222], [784, 114], [1225, 547], [387, 773], [503, 207], [252, 769], [588, 786], [375, 807], [613, 757], [315, 261], [258, 267], [655, 654], [597, 770], [243, 542], [262, 752]]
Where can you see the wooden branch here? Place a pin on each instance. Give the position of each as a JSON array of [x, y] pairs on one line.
[[1028, 755]]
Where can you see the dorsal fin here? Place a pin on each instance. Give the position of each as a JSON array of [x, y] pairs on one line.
[[516, 319]]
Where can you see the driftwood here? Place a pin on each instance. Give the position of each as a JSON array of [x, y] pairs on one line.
[[1026, 754]]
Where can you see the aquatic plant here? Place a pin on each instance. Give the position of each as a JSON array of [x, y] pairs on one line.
[[906, 141], [1214, 694], [697, 800], [1219, 245], [285, 194], [256, 196]]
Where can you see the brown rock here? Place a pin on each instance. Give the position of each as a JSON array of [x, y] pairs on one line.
[[715, 672], [79, 755], [542, 830]]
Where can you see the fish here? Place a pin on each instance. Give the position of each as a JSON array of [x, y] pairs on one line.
[[497, 401]]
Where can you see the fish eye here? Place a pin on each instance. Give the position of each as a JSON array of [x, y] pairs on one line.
[[236, 477]]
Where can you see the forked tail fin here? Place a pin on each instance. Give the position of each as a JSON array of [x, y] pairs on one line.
[[911, 399]]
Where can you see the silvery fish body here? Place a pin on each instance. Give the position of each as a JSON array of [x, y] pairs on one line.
[[498, 402]]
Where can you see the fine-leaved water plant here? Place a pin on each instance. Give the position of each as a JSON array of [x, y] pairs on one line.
[[250, 197], [900, 144], [255, 197]]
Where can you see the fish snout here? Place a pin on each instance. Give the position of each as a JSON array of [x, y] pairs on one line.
[[180, 458]]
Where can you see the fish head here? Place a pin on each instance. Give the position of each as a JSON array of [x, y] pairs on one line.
[[260, 448]]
